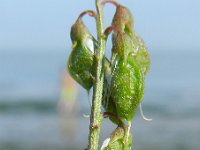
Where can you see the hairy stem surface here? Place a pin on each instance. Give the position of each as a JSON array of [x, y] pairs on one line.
[[96, 116]]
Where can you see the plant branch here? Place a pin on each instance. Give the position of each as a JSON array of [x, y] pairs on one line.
[[96, 116]]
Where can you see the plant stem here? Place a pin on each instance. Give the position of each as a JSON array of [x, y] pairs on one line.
[[96, 116]]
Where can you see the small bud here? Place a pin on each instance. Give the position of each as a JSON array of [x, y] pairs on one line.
[[117, 140], [81, 59]]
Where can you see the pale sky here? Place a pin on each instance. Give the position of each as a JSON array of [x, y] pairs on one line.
[[45, 24]]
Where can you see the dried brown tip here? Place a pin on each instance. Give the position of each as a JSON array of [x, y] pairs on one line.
[[88, 12], [108, 30]]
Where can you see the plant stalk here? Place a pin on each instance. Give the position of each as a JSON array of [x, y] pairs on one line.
[[96, 116]]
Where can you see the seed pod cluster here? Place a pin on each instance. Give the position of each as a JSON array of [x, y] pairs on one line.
[[124, 74]]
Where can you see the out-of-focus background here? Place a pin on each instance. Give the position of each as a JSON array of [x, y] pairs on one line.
[[41, 108]]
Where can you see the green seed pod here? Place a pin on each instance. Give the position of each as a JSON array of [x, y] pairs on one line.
[[117, 140], [81, 59], [127, 86], [127, 82]]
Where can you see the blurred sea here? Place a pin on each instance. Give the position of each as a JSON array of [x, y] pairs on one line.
[[30, 119]]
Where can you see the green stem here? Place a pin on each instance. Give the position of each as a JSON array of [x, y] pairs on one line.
[[96, 116]]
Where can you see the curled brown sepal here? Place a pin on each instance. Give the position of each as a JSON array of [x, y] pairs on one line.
[[110, 1], [88, 12], [107, 31]]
